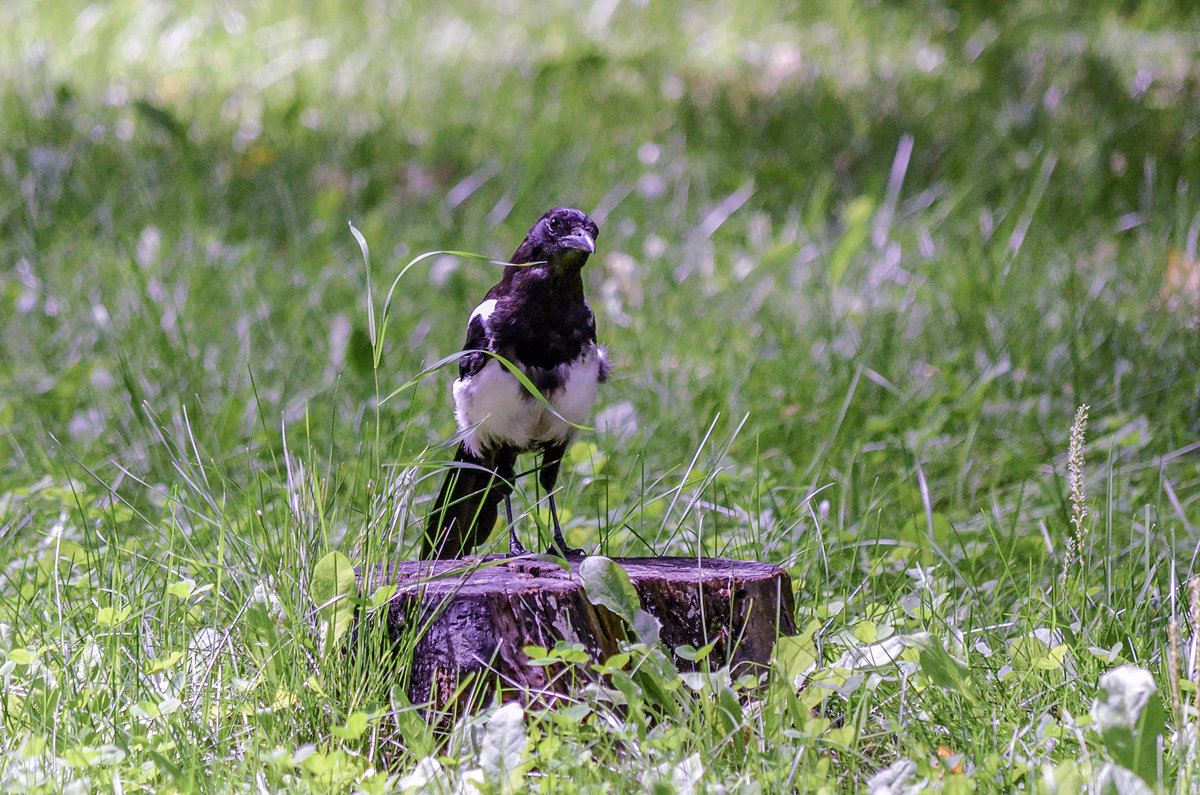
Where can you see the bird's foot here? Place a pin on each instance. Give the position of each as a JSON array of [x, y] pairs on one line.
[[515, 548], [560, 548], [567, 552]]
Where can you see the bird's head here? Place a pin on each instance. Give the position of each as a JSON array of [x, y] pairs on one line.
[[562, 238]]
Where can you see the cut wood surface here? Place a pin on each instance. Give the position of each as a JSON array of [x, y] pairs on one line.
[[482, 612]]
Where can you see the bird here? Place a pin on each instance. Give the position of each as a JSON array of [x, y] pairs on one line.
[[537, 319]]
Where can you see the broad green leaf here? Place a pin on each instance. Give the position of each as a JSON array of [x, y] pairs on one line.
[[796, 655], [1055, 660], [111, 616], [730, 709], [333, 590], [182, 589], [71, 551], [355, 725], [946, 671], [1030, 654], [319, 763], [608, 585], [163, 663], [842, 736], [623, 682], [866, 631], [502, 753], [614, 663], [571, 652], [692, 654], [646, 627], [383, 594], [659, 680]]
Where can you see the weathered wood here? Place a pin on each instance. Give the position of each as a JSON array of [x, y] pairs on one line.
[[482, 612]]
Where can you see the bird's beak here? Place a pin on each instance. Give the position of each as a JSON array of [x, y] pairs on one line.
[[580, 241]]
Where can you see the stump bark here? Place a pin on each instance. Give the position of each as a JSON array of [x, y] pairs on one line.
[[477, 615]]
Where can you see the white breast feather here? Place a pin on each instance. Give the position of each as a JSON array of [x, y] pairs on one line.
[[492, 407]]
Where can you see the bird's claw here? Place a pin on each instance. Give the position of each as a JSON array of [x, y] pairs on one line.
[[560, 548]]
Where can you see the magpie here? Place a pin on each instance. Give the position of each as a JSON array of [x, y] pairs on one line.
[[537, 319]]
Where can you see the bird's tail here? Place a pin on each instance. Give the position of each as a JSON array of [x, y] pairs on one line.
[[465, 509]]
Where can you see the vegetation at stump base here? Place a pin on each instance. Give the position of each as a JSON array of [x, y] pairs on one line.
[[861, 265]]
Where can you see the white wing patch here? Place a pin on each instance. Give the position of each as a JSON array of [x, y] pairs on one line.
[[483, 312]]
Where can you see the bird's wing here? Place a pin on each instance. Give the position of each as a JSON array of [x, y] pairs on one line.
[[478, 339]]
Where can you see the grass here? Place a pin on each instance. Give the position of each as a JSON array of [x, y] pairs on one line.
[[859, 265]]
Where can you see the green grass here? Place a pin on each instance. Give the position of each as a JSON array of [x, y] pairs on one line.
[[854, 357]]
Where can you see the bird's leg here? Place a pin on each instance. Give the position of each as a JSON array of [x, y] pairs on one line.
[[560, 543], [551, 461], [514, 543]]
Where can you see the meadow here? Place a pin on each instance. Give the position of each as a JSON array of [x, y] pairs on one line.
[[861, 268]]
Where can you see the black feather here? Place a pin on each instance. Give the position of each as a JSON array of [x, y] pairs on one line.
[[473, 361], [466, 506]]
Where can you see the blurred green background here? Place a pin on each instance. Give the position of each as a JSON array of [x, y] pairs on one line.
[[176, 181]]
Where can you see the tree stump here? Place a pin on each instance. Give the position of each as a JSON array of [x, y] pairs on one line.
[[480, 613]]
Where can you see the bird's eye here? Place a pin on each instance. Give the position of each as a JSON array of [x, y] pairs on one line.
[[552, 225]]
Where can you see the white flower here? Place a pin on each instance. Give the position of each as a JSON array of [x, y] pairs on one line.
[[428, 769], [896, 779], [264, 596], [503, 748], [1125, 691], [882, 654], [1116, 780], [687, 775]]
